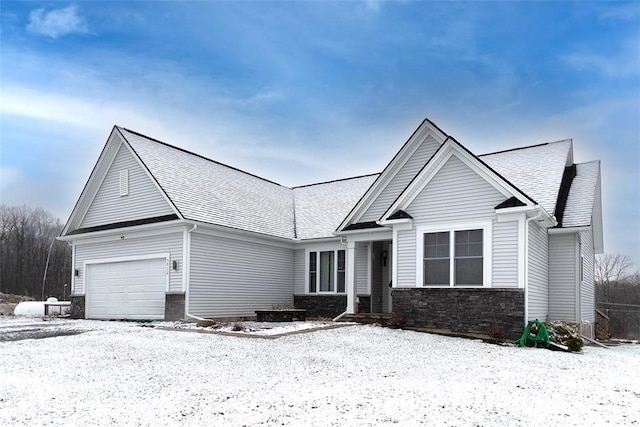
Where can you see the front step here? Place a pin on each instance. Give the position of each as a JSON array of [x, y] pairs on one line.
[[368, 318]]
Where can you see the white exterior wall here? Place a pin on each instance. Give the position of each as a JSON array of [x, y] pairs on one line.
[[231, 277], [587, 304], [562, 276], [299, 272], [455, 195], [538, 267], [402, 178], [115, 248], [362, 268], [505, 255], [143, 201]]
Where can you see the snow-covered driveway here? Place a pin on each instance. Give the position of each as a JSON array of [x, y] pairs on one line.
[[122, 374]]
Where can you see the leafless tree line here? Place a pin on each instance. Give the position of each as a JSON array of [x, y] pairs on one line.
[[27, 239], [618, 294]]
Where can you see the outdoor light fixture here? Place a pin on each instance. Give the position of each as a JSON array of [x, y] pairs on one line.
[[76, 272], [174, 265]]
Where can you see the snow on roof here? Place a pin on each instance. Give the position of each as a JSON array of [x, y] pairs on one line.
[[582, 194], [320, 208], [211, 192], [537, 170]]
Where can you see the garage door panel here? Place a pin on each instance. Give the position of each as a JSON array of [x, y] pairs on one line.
[[127, 290]]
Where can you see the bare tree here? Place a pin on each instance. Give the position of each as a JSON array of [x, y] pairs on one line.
[[618, 294], [26, 236]]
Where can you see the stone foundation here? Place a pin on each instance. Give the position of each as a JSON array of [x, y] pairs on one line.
[[328, 305], [174, 306], [462, 310], [77, 307]]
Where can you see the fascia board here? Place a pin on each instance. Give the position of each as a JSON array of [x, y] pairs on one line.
[[96, 177], [129, 232], [423, 131], [150, 175]]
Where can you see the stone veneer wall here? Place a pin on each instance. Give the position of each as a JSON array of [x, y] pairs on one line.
[[77, 307], [462, 310], [174, 306], [328, 305]]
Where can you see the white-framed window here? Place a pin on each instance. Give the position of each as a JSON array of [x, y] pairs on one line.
[[326, 271], [455, 255]]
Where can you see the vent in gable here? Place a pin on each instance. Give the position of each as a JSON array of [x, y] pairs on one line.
[[124, 182]]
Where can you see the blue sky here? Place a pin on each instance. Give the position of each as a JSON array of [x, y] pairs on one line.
[[302, 92]]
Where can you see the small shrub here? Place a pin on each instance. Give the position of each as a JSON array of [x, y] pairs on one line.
[[397, 321], [237, 327]]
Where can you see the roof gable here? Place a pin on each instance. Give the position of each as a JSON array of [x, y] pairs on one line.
[[143, 197], [417, 151], [452, 148], [99, 176]]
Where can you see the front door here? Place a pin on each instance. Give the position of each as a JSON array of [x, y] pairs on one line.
[[387, 307]]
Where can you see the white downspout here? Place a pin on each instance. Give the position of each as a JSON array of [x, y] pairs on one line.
[[526, 263]]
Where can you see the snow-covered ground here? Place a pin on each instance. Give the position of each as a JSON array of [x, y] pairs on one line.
[[116, 373]]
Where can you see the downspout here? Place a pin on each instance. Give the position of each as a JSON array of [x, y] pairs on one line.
[[187, 267], [526, 262]]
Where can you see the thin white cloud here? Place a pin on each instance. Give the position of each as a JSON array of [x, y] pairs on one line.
[[622, 61], [57, 22]]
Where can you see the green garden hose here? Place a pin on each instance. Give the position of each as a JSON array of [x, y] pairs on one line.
[[539, 339]]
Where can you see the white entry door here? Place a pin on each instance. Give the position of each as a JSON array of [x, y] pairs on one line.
[[126, 289], [389, 302]]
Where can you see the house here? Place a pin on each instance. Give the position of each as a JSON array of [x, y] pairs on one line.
[[443, 237]]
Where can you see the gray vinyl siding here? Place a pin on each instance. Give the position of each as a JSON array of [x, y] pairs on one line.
[[538, 272], [299, 274], [587, 305], [362, 268], [456, 194], [168, 243], [143, 201], [562, 277], [230, 278], [402, 178], [505, 255], [406, 258]]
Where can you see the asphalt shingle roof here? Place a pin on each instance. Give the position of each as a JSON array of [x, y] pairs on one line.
[[536, 171], [320, 208], [207, 191], [582, 194], [210, 192]]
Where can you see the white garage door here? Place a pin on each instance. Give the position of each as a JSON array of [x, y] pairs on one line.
[[126, 290]]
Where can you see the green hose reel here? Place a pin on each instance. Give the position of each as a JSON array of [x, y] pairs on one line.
[[534, 335]]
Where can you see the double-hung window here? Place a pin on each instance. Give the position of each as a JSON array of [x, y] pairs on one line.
[[454, 257], [327, 271]]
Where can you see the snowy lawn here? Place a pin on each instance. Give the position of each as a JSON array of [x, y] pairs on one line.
[[116, 373]]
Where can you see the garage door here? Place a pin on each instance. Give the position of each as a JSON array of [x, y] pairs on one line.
[[126, 290]]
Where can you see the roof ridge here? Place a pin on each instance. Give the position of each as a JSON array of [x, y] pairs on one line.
[[335, 180], [200, 156], [524, 148]]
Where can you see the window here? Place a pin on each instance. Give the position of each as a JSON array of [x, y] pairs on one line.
[[453, 258], [327, 271]]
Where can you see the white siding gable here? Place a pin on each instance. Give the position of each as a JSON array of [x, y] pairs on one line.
[[401, 179], [142, 198]]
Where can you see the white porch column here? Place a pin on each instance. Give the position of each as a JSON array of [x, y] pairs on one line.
[[352, 292]]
